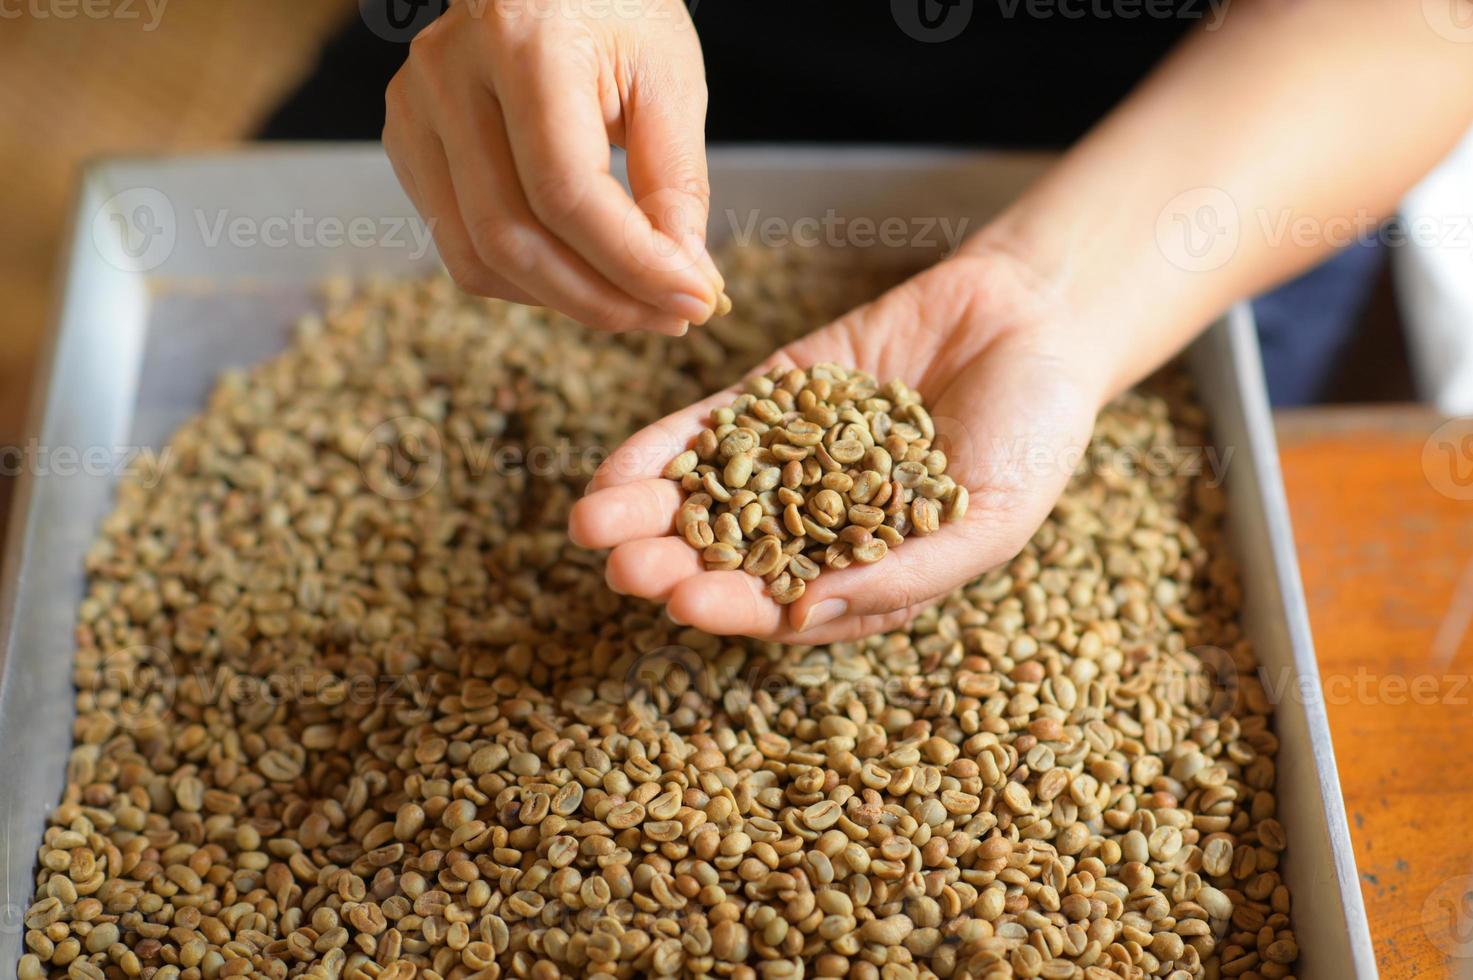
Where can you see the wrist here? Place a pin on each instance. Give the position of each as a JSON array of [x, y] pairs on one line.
[[1063, 323], [1122, 307]]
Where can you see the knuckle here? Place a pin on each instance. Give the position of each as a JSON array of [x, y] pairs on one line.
[[693, 184], [902, 595], [425, 71], [396, 96], [503, 245], [509, 23], [907, 586], [556, 197], [429, 43], [578, 53]]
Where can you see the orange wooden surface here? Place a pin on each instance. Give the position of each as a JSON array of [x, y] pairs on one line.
[[1386, 551]]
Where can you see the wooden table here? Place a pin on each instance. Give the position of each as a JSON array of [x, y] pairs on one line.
[[1386, 551]]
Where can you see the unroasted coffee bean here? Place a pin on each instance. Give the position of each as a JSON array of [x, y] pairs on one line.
[[333, 720], [870, 551], [722, 556]]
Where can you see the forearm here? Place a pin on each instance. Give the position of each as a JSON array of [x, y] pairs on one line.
[[1289, 127]]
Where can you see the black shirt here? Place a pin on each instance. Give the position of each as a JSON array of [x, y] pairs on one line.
[[1006, 73]]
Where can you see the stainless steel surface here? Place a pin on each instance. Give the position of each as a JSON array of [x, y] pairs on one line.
[[135, 350]]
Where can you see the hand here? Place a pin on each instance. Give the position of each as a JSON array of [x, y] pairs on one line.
[[499, 126], [1013, 397]]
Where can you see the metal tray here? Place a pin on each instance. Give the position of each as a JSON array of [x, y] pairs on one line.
[[223, 252]]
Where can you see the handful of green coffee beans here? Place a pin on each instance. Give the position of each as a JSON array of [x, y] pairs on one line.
[[813, 469]]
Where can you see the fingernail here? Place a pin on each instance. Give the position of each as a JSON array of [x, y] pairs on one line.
[[687, 307], [670, 326], [824, 612]]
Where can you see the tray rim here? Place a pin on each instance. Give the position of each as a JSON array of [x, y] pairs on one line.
[[1243, 336]]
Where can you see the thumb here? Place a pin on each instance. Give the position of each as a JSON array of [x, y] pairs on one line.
[[665, 136], [1013, 450], [912, 574]]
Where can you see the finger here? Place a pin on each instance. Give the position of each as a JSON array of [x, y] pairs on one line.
[[651, 568], [628, 512], [913, 574], [725, 604], [666, 141], [559, 139], [855, 627], [419, 161], [509, 240]]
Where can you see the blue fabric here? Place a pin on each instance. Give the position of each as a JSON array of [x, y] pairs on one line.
[[1306, 325]]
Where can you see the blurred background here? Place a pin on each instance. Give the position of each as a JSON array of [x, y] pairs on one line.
[[174, 76]]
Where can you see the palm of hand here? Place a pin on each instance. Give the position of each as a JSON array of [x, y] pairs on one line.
[[981, 346]]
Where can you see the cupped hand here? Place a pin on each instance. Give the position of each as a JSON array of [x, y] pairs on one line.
[[998, 360], [499, 128]]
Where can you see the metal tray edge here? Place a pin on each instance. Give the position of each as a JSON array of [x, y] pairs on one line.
[[1243, 337]]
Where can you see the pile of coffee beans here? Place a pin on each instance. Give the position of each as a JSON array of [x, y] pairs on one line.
[[809, 470]]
